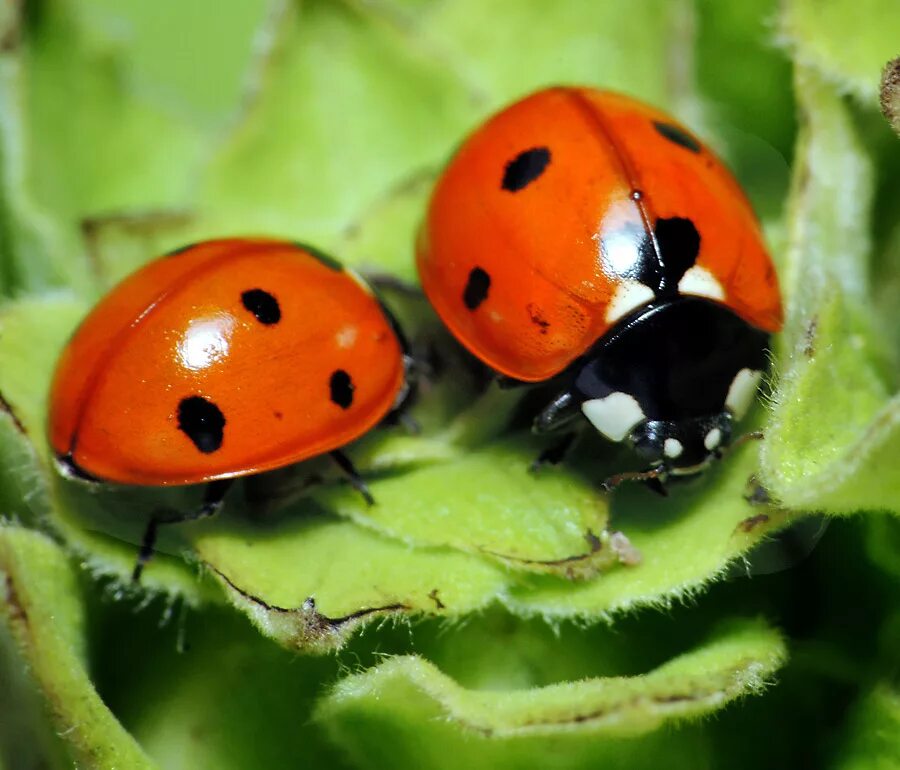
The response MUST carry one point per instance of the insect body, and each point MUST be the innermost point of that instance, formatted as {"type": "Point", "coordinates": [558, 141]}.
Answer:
{"type": "Point", "coordinates": [223, 359]}
{"type": "Point", "coordinates": [582, 235]}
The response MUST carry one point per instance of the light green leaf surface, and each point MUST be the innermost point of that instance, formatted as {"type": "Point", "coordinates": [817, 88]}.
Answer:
{"type": "Point", "coordinates": [311, 580]}
{"type": "Point", "coordinates": [42, 609]}
{"type": "Point", "coordinates": [847, 42]}
{"type": "Point", "coordinates": [834, 435]}
{"type": "Point", "coordinates": [406, 707]}
{"type": "Point", "coordinates": [870, 740]}
{"type": "Point", "coordinates": [500, 59]}
{"type": "Point", "coordinates": [488, 503]}
{"type": "Point", "coordinates": [685, 542]}
{"type": "Point", "coordinates": [84, 93]}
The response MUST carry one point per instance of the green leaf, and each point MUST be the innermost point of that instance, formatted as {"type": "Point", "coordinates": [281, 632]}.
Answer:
{"type": "Point", "coordinates": [870, 739]}
{"type": "Point", "coordinates": [204, 690]}
{"type": "Point", "coordinates": [499, 52]}
{"type": "Point", "coordinates": [84, 92]}
{"type": "Point", "coordinates": [834, 432]}
{"type": "Point", "coordinates": [685, 542]}
{"type": "Point", "coordinates": [44, 615]}
{"type": "Point", "coordinates": [408, 707]}
{"type": "Point", "coordinates": [488, 503]}
{"type": "Point", "coordinates": [846, 42]}
{"type": "Point", "coordinates": [309, 580]}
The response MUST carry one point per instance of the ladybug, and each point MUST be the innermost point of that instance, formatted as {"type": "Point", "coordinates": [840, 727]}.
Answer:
{"type": "Point", "coordinates": [223, 359]}
{"type": "Point", "coordinates": [582, 237]}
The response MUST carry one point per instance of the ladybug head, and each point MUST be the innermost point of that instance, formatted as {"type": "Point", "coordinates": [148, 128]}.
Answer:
{"type": "Point", "coordinates": [682, 447]}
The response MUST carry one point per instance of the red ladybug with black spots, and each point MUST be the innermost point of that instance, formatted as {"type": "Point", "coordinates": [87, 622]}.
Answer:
{"type": "Point", "coordinates": [584, 237]}
{"type": "Point", "coordinates": [222, 359]}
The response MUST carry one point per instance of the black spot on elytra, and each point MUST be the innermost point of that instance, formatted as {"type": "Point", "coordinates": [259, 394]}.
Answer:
{"type": "Point", "coordinates": [202, 422]}
{"type": "Point", "coordinates": [527, 166]}
{"type": "Point", "coordinates": [326, 259]}
{"type": "Point", "coordinates": [677, 135]}
{"type": "Point", "coordinates": [263, 305]}
{"type": "Point", "coordinates": [679, 245]}
{"type": "Point", "coordinates": [660, 265]}
{"type": "Point", "coordinates": [477, 288]}
{"type": "Point", "coordinates": [341, 387]}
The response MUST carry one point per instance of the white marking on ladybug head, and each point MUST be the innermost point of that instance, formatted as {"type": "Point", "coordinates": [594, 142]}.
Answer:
{"type": "Point", "coordinates": [712, 439]}
{"type": "Point", "coordinates": [615, 415]}
{"type": "Point", "coordinates": [629, 295]}
{"type": "Point", "coordinates": [702, 283]}
{"type": "Point", "coordinates": [742, 390]}
{"type": "Point", "coordinates": [672, 448]}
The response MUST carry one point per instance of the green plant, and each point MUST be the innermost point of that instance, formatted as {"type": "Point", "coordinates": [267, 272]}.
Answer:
{"type": "Point", "coordinates": [472, 619]}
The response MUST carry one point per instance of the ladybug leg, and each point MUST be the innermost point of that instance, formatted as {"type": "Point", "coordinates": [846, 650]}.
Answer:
{"type": "Point", "coordinates": [555, 453]}
{"type": "Point", "coordinates": [560, 413]}
{"type": "Point", "coordinates": [356, 481]}
{"type": "Point", "coordinates": [213, 496]}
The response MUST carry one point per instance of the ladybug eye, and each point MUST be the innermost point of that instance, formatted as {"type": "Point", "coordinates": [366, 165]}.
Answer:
{"type": "Point", "coordinates": [527, 166]}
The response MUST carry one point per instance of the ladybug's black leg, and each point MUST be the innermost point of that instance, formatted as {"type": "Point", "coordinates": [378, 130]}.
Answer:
{"type": "Point", "coordinates": [555, 453]}
{"type": "Point", "coordinates": [560, 413]}
{"type": "Point", "coordinates": [213, 496]}
{"type": "Point", "coordinates": [356, 481]}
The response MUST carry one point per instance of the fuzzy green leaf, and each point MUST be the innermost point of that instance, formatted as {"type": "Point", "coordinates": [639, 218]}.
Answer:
{"type": "Point", "coordinates": [406, 706]}
{"type": "Point", "coordinates": [685, 542]}
{"type": "Point", "coordinates": [846, 42]}
{"type": "Point", "coordinates": [309, 581]}
{"type": "Point", "coordinates": [486, 502]}
{"type": "Point", "coordinates": [44, 615]}
{"type": "Point", "coordinates": [834, 434]}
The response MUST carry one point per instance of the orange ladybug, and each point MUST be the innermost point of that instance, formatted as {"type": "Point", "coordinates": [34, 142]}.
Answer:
{"type": "Point", "coordinates": [585, 236]}
{"type": "Point", "coordinates": [222, 359]}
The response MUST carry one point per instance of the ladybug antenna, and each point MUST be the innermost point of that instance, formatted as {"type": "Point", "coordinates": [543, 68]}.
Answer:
{"type": "Point", "coordinates": [654, 479]}
{"type": "Point", "coordinates": [753, 435]}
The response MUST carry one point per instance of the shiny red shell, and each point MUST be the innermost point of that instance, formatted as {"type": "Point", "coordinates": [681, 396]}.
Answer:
{"type": "Point", "coordinates": [534, 259]}
{"type": "Point", "coordinates": [294, 353]}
